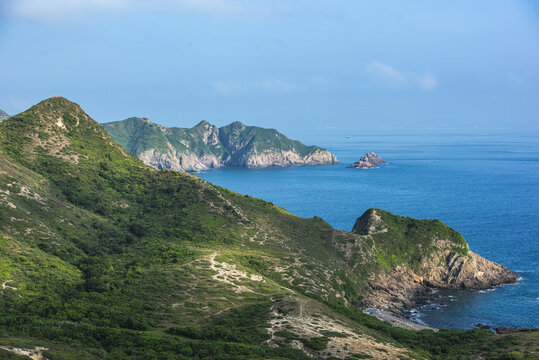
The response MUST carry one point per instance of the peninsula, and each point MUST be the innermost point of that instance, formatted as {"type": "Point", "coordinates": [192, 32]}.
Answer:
{"type": "Point", "coordinates": [207, 146]}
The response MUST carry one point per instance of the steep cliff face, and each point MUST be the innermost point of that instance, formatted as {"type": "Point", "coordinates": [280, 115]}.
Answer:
{"type": "Point", "coordinates": [418, 254]}
{"type": "Point", "coordinates": [206, 146]}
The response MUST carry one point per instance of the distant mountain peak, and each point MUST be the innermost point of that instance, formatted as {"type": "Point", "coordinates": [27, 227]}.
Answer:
{"type": "Point", "coordinates": [237, 125]}
{"type": "Point", "coordinates": [203, 123]}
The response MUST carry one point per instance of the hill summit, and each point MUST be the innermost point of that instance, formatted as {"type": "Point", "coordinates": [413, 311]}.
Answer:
{"type": "Point", "coordinates": [207, 146]}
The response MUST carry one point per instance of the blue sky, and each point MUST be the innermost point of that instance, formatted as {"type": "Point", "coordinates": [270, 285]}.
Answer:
{"type": "Point", "coordinates": [295, 65]}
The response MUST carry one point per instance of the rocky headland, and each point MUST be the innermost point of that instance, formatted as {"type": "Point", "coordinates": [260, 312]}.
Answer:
{"type": "Point", "coordinates": [432, 256]}
{"type": "Point", "coordinates": [207, 146]}
{"type": "Point", "coordinates": [368, 161]}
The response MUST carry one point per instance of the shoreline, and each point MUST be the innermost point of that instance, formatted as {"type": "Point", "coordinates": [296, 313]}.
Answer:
{"type": "Point", "coordinates": [397, 320]}
{"type": "Point", "coordinates": [402, 316]}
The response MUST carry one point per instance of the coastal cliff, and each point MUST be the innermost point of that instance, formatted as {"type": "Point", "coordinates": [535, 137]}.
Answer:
{"type": "Point", "coordinates": [207, 146]}
{"type": "Point", "coordinates": [421, 254]}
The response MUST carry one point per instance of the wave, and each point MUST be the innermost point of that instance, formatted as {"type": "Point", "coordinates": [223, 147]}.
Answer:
{"type": "Point", "coordinates": [486, 291]}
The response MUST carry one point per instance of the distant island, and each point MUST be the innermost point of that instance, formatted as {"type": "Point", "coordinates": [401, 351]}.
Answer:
{"type": "Point", "coordinates": [368, 161]}
{"type": "Point", "coordinates": [3, 115]}
{"type": "Point", "coordinates": [206, 146]}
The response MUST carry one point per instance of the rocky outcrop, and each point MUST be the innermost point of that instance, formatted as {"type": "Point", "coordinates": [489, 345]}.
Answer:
{"type": "Point", "coordinates": [287, 158]}
{"type": "Point", "coordinates": [450, 269]}
{"type": "Point", "coordinates": [3, 115]}
{"type": "Point", "coordinates": [433, 256]}
{"type": "Point", "coordinates": [207, 146]}
{"type": "Point", "coordinates": [179, 161]}
{"type": "Point", "coordinates": [362, 165]}
{"type": "Point", "coordinates": [368, 161]}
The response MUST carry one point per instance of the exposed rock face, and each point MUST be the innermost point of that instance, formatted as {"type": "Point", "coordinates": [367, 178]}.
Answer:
{"type": "Point", "coordinates": [179, 161]}
{"type": "Point", "coordinates": [450, 269]}
{"type": "Point", "coordinates": [368, 161]}
{"type": "Point", "coordinates": [3, 115]}
{"type": "Point", "coordinates": [207, 146]}
{"type": "Point", "coordinates": [444, 259]}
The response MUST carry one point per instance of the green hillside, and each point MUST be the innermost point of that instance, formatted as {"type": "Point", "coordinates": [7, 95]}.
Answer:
{"type": "Point", "coordinates": [103, 257]}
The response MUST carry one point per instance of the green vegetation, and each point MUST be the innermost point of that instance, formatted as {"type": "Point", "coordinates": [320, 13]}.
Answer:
{"type": "Point", "coordinates": [318, 343]}
{"type": "Point", "coordinates": [103, 257]}
{"type": "Point", "coordinates": [407, 240]}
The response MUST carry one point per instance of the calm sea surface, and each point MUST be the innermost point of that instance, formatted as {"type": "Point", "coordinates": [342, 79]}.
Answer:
{"type": "Point", "coordinates": [486, 187]}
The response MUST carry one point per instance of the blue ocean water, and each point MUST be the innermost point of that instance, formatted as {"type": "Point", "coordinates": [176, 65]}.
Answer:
{"type": "Point", "coordinates": [485, 187]}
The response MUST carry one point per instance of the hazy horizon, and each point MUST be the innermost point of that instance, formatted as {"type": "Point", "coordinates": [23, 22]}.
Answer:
{"type": "Point", "coordinates": [300, 67]}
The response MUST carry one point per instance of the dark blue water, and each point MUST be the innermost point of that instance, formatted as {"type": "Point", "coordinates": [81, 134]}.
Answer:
{"type": "Point", "coordinates": [486, 187]}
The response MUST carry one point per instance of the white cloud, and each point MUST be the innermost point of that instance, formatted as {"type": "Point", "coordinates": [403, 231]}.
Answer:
{"type": "Point", "coordinates": [244, 87]}
{"type": "Point", "coordinates": [53, 10]}
{"type": "Point", "coordinates": [69, 10]}
{"type": "Point", "coordinates": [60, 10]}
{"type": "Point", "coordinates": [225, 7]}
{"type": "Point", "coordinates": [388, 76]}
{"type": "Point", "coordinates": [427, 81]}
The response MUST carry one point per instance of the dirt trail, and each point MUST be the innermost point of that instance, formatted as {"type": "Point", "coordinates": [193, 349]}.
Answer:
{"type": "Point", "coordinates": [4, 286]}
{"type": "Point", "coordinates": [34, 354]}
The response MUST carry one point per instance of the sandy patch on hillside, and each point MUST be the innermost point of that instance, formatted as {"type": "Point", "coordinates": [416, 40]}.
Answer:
{"type": "Point", "coordinates": [34, 354]}
{"type": "Point", "coordinates": [307, 319]}
{"type": "Point", "coordinates": [229, 274]}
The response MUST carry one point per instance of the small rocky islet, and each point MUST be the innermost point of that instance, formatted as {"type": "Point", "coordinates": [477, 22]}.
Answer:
{"type": "Point", "coordinates": [368, 161]}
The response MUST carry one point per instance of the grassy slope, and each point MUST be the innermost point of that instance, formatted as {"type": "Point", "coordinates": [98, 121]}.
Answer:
{"type": "Point", "coordinates": [110, 258]}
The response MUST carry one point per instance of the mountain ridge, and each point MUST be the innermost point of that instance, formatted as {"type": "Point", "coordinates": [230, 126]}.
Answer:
{"type": "Point", "coordinates": [207, 146]}
{"type": "Point", "coordinates": [105, 257]}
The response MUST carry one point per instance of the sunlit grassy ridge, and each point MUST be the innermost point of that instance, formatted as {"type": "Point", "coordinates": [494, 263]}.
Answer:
{"type": "Point", "coordinates": [105, 257]}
